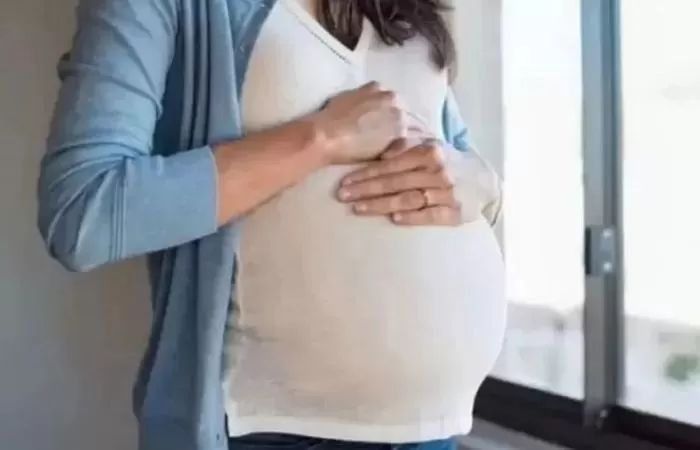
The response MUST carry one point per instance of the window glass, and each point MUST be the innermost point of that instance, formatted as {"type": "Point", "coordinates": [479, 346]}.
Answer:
{"type": "Point", "coordinates": [660, 62]}
{"type": "Point", "coordinates": [543, 227]}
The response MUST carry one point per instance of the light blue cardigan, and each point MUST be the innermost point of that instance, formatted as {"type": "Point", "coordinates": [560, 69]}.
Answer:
{"type": "Point", "coordinates": [146, 88]}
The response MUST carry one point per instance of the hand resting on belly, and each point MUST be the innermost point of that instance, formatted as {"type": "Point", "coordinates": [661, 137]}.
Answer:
{"type": "Point", "coordinates": [424, 184]}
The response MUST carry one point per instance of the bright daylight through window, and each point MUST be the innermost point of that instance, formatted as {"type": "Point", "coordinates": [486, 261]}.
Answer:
{"type": "Point", "coordinates": [543, 233]}
{"type": "Point", "coordinates": [661, 147]}
{"type": "Point", "coordinates": [544, 212]}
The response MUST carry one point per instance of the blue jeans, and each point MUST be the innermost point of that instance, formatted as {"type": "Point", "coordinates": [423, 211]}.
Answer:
{"type": "Point", "coordinates": [272, 441]}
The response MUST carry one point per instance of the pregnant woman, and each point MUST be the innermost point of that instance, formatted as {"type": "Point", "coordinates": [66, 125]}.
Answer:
{"type": "Point", "coordinates": [324, 273]}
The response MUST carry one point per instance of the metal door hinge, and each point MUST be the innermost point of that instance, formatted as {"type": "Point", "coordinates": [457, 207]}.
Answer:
{"type": "Point", "coordinates": [600, 249]}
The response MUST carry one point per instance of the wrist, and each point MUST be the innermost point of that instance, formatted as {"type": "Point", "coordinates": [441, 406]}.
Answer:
{"type": "Point", "coordinates": [302, 140]}
{"type": "Point", "coordinates": [323, 139]}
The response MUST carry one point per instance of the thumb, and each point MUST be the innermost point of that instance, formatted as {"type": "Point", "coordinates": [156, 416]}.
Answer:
{"type": "Point", "coordinates": [396, 148]}
{"type": "Point", "coordinates": [415, 138]}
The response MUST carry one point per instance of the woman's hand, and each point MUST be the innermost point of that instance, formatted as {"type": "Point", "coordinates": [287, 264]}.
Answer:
{"type": "Point", "coordinates": [411, 185]}
{"type": "Point", "coordinates": [357, 125]}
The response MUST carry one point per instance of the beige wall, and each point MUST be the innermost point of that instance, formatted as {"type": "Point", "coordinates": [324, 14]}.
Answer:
{"type": "Point", "coordinates": [69, 344]}
{"type": "Point", "coordinates": [476, 26]}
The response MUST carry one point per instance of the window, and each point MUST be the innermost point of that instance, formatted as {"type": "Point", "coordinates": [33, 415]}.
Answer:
{"type": "Point", "coordinates": [591, 109]}
{"type": "Point", "coordinates": [660, 65]}
{"type": "Point", "coordinates": [543, 227]}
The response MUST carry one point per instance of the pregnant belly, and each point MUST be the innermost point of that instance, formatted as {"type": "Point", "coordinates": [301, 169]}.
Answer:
{"type": "Point", "coordinates": [337, 305]}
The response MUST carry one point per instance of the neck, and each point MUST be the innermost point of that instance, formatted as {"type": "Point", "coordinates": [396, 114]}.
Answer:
{"type": "Point", "coordinates": [310, 5]}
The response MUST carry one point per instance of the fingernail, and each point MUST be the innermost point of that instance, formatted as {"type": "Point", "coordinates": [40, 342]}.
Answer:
{"type": "Point", "coordinates": [398, 217]}
{"type": "Point", "coordinates": [360, 207]}
{"type": "Point", "coordinates": [344, 194]}
{"type": "Point", "coordinates": [346, 182]}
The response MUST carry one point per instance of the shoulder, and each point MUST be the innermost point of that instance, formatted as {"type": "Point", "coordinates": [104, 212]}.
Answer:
{"type": "Point", "coordinates": [243, 18]}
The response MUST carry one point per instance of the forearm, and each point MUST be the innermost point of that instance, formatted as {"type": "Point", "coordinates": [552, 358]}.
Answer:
{"type": "Point", "coordinates": [254, 169]}
{"type": "Point", "coordinates": [100, 203]}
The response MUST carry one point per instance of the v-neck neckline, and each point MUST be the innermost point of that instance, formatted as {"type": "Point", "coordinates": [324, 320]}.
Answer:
{"type": "Point", "coordinates": [355, 55]}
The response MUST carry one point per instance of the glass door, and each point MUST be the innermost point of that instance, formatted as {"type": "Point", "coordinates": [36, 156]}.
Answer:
{"type": "Point", "coordinates": [660, 66]}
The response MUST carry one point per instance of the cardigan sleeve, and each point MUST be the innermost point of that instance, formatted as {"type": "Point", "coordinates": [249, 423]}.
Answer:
{"type": "Point", "coordinates": [103, 195]}
{"type": "Point", "coordinates": [454, 128]}
{"type": "Point", "coordinates": [475, 173]}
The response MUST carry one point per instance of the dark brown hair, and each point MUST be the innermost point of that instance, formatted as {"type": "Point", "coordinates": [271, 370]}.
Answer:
{"type": "Point", "coordinates": [396, 21]}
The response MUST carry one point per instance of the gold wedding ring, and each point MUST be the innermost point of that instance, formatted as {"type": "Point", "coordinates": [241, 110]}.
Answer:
{"type": "Point", "coordinates": [426, 198]}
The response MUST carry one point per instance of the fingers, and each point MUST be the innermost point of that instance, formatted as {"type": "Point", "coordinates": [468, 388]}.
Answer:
{"type": "Point", "coordinates": [396, 148]}
{"type": "Point", "coordinates": [417, 122]}
{"type": "Point", "coordinates": [371, 86]}
{"type": "Point", "coordinates": [435, 215]}
{"type": "Point", "coordinates": [407, 162]}
{"type": "Point", "coordinates": [399, 158]}
{"type": "Point", "coordinates": [415, 135]}
{"type": "Point", "coordinates": [393, 184]}
{"type": "Point", "coordinates": [429, 149]}
{"type": "Point", "coordinates": [405, 201]}
{"type": "Point", "coordinates": [415, 138]}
